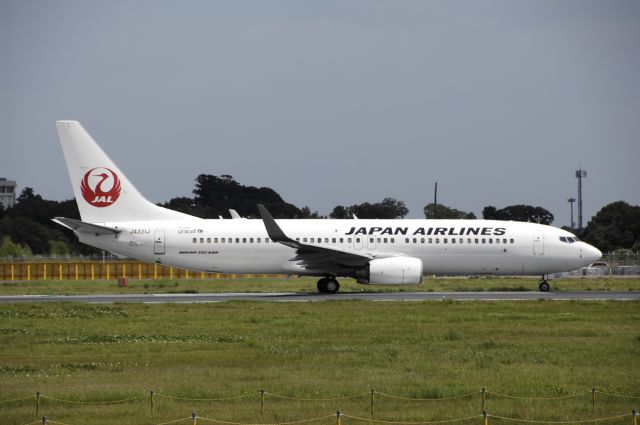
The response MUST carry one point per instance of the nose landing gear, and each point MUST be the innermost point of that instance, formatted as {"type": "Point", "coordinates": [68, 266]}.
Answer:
{"type": "Point", "coordinates": [544, 286]}
{"type": "Point", "coordinates": [328, 285]}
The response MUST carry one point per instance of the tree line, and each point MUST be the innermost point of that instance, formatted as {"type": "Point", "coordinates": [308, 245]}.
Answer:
{"type": "Point", "coordinates": [26, 228]}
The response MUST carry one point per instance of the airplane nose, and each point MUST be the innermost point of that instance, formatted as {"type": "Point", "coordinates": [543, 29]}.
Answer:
{"type": "Point", "coordinates": [591, 253]}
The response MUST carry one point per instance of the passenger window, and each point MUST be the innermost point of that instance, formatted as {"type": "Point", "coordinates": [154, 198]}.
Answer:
{"type": "Point", "coordinates": [444, 240]}
{"type": "Point", "coordinates": [215, 240]}
{"type": "Point", "coordinates": [385, 240]}
{"type": "Point", "coordinates": [222, 240]}
{"type": "Point", "coordinates": [266, 240]}
{"type": "Point", "coordinates": [453, 240]}
{"type": "Point", "coordinates": [378, 240]}
{"type": "Point", "coordinates": [349, 240]}
{"type": "Point", "coordinates": [476, 240]}
{"type": "Point", "coordinates": [370, 240]}
{"type": "Point", "coordinates": [406, 240]}
{"type": "Point", "coordinates": [237, 240]}
{"type": "Point", "coordinates": [304, 239]}
{"type": "Point", "coordinates": [326, 240]}
{"type": "Point", "coordinates": [461, 240]}
{"type": "Point", "coordinates": [421, 240]}
{"type": "Point", "coordinates": [333, 240]}
{"type": "Point", "coordinates": [341, 240]}
{"type": "Point", "coordinates": [415, 240]}
{"type": "Point", "coordinates": [358, 240]}
{"type": "Point", "coordinates": [504, 241]}
{"type": "Point", "coordinates": [497, 240]}
{"type": "Point", "coordinates": [208, 240]}
{"type": "Point", "coordinates": [201, 240]}
{"type": "Point", "coordinates": [468, 240]}
{"type": "Point", "coordinates": [437, 240]}
{"type": "Point", "coordinates": [258, 240]}
{"type": "Point", "coordinates": [244, 240]}
{"type": "Point", "coordinates": [490, 240]}
{"type": "Point", "coordinates": [393, 240]}
{"type": "Point", "coordinates": [430, 240]}
{"type": "Point", "coordinates": [484, 240]}
{"type": "Point", "coordinates": [195, 240]}
{"type": "Point", "coordinates": [311, 240]}
{"type": "Point", "coordinates": [250, 240]}
{"type": "Point", "coordinates": [513, 241]}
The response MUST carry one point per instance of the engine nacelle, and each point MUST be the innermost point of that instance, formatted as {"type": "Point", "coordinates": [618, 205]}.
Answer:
{"type": "Point", "coordinates": [392, 271]}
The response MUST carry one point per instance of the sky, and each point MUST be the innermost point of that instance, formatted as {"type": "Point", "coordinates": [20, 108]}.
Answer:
{"type": "Point", "coordinates": [332, 102]}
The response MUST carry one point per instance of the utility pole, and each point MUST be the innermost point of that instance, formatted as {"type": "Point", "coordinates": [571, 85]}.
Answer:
{"type": "Point", "coordinates": [571, 201]}
{"type": "Point", "coordinates": [580, 174]}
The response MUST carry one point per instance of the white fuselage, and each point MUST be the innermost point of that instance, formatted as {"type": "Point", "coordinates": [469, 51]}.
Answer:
{"type": "Point", "coordinates": [446, 247]}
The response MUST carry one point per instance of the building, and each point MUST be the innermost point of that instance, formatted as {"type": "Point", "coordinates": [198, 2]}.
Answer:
{"type": "Point", "coordinates": [7, 193]}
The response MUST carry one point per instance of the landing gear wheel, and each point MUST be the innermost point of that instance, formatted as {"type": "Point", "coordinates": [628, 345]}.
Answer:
{"type": "Point", "coordinates": [544, 286]}
{"type": "Point", "coordinates": [328, 285]}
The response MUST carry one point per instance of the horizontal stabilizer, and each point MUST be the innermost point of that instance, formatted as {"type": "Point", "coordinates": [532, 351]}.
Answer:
{"type": "Point", "coordinates": [82, 227]}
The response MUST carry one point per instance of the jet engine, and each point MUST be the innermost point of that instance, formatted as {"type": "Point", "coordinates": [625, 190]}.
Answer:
{"type": "Point", "coordinates": [391, 271]}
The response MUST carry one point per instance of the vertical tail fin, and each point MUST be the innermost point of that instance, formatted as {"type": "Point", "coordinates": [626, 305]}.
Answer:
{"type": "Point", "coordinates": [102, 191]}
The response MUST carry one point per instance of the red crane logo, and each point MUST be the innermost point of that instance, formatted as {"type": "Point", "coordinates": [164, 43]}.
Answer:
{"type": "Point", "coordinates": [100, 187]}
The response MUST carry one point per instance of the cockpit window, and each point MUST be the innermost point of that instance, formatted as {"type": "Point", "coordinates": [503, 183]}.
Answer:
{"type": "Point", "coordinates": [563, 239]}
{"type": "Point", "coordinates": [567, 239]}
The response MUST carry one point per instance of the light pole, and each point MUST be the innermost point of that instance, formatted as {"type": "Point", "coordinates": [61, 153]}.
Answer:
{"type": "Point", "coordinates": [580, 174]}
{"type": "Point", "coordinates": [571, 201]}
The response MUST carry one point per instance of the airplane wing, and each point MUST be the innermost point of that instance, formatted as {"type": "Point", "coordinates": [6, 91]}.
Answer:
{"type": "Point", "coordinates": [82, 227]}
{"type": "Point", "coordinates": [310, 255]}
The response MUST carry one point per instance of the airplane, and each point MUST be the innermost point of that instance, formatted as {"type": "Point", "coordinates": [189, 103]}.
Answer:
{"type": "Point", "coordinates": [117, 218]}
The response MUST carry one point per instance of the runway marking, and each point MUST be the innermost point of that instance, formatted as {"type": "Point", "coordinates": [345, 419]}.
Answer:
{"type": "Point", "coordinates": [310, 297]}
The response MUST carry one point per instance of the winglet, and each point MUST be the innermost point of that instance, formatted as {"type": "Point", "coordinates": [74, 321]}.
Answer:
{"type": "Point", "coordinates": [273, 230]}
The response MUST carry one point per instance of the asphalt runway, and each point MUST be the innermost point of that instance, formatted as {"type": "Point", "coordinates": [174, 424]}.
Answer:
{"type": "Point", "coordinates": [313, 296]}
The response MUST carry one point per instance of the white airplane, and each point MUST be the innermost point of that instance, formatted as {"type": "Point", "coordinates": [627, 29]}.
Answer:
{"type": "Point", "coordinates": [117, 218]}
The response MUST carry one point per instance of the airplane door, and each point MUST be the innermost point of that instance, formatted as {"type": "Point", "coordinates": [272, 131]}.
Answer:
{"type": "Point", "coordinates": [158, 242]}
{"type": "Point", "coordinates": [357, 242]}
{"type": "Point", "coordinates": [371, 242]}
{"type": "Point", "coordinates": [538, 244]}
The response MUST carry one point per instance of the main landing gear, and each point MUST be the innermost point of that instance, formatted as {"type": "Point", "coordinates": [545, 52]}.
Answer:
{"type": "Point", "coordinates": [328, 285]}
{"type": "Point", "coordinates": [544, 286]}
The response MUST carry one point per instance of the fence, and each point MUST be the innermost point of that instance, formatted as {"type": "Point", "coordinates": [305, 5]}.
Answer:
{"type": "Point", "coordinates": [82, 269]}
{"type": "Point", "coordinates": [152, 398]}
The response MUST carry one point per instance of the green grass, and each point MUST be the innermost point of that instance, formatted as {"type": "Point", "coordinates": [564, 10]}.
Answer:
{"type": "Point", "coordinates": [98, 353]}
{"type": "Point", "coordinates": [294, 284]}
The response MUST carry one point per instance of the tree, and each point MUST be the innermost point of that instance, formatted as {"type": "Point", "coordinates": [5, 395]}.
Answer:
{"type": "Point", "coordinates": [215, 195]}
{"type": "Point", "coordinates": [306, 213]}
{"type": "Point", "coordinates": [441, 211]}
{"type": "Point", "coordinates": [388, 208]}
{"type": "Point", "coordinates": [518, 213]}
{"type": "Point", "coordinates": [615, 226]}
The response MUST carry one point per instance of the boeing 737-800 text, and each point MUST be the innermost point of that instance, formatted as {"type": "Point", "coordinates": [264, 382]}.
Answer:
{"type": "Point", "coordinates": [117, 218]}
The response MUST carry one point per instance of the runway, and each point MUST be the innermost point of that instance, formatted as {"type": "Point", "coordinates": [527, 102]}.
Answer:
{"type": "Point", "coordinates": [312, 296]}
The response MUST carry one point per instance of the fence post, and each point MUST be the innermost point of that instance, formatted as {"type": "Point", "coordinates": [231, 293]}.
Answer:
{"type": "Point", "coordinates": [262, 402]}
{"type": "Point", "coordinates": [38, 403]}
{"type": "Point", "coordinates": [483, 398]}
{"type": "Point", "coordinates": [634, 417]}
{"type": "Point", "coordinates": [44, 272]}
{"type": "Point", "coordinates": [194, 418]}
{"type": "Point", "coordinates": [372, 401]}
{"type": "Point", "coordinates": [151, 401]}
{"type": "Point", "coordinates": [337, 417]}
{"type": "Point", "coordinates": [593, 397]}
{"type": "Point", "coordinates": [485, 418]}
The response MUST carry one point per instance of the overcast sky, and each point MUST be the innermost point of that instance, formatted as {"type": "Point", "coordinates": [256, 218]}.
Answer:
{"type": "Point", "coordinates": [332, 102]}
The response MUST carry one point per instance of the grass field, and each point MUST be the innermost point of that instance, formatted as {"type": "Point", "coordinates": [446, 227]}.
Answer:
{"type": "Point", "coordinates": [99, 353]}
{"type": "Point", "coordinates": [294, 284]}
